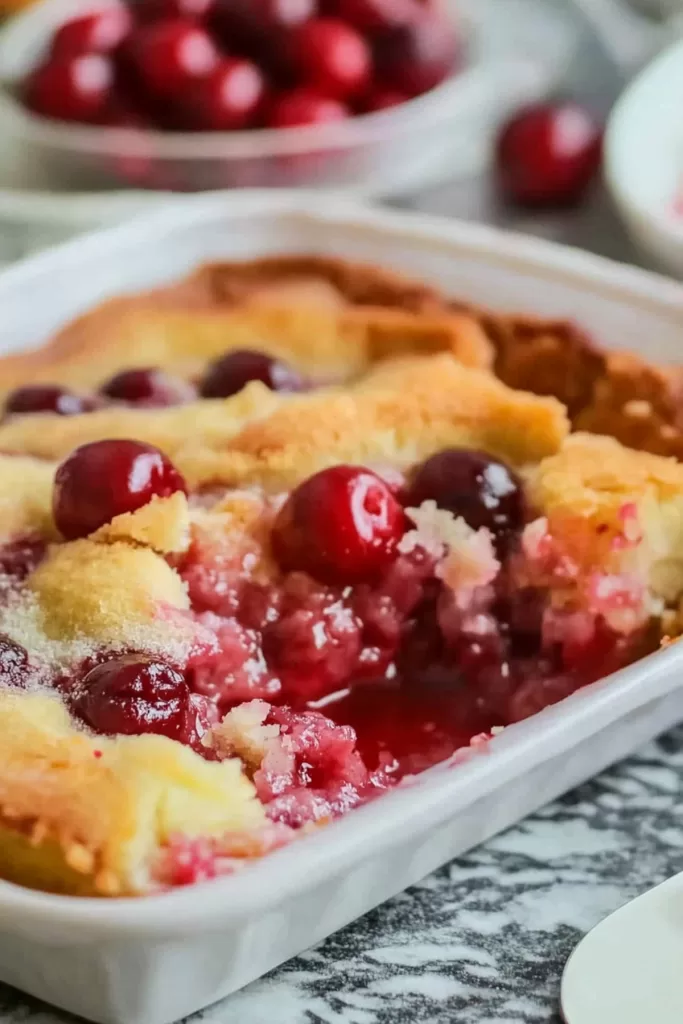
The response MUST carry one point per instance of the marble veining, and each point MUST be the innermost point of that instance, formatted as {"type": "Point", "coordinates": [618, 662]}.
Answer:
{"type": "Point", "coordinates": [484, 940]}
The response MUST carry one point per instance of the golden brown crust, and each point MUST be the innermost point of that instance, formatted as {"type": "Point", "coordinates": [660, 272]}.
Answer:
{"type": "Point", "coordinates": [404, 411]}
{"type": "Point", "coordinates": [326, 342]}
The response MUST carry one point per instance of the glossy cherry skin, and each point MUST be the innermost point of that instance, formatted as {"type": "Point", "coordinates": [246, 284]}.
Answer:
{"type": "Point", "coordinates": [171, 56]}
{"type": "Point", "coordinates": [104, 479]}
{"type": "Point", "coordinates": [99, 32]}
{"type": "Point", "coordinates": [235, 370]}
{"type": "Point", "coordinates": [548, 154]}
{"type": "Point", "coordinates": [227, 99]}
{"type": "Point", "coordinates": [13, 662]}
{"type": "Point", "coordinates": [331, 57]}
{"type": "Point", "coordinates": [48, 398]}
{"type": "Point", "coordinates": [374, 15]}
{"type": "Point", "coordinates": [342, 526]}
{"type": "Point", "coordinates": [417, 56]}
{"type": "Point", "coordinates": [148, 387]}
{"type": "Point", "coordinates": [384, 99]}
{"type": "Point", "coordinates": [474, 485]}
{"type": "Point", "coordinates": [133, 695]}
{"type": "Point", "coordinates": [157, 10]}
{"type": "Point", "coordinates": [300, 107]}
{"type": "Point", "coordinates": [71, 88]}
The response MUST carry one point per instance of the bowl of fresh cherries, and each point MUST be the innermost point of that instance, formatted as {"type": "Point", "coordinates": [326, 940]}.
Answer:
{"type": "Point", "coordinates": [188, 95]}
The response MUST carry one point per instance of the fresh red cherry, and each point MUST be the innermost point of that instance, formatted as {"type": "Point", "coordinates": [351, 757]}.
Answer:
{"type": "Point", "coordinates": [341, 525]}
{"type": "Point", "coordinates": [98, 32]}
{"type": "Point", "coordinates": [384, 99]}
{"type": "Point", "coordinates": [156, 10]}
{"type": "Point", "coordinates": [233, 371]}
{"type": "Point", "coordinates": [104, 479]}
{"type": "Point", "coordinates": [300, 107]}
{"type": "Point", "coordinates": [375, 15]}
{"type": "Point", "coordinates": [148, 387]}
{"type": "Point", "coordinates": [330, 56]}
{"type": "Point", "coordinates": [228, 98]}
{"type": "Point", "coordinates": [133, 695]}
{"type": "Point", "coordinates": [71, 88]}
{"type": "Point", "coordinates": [417, 56]}
{"type": "Point", "coordinates": [13, 662]}
{"type": "Point", "coordinates": [474, 485]}
{"type": "Point", "coordinates": [48, 398]}
{"type": "Point", "coordinates": [172, 55]}
{"type": "Point", "coordinates": [547, 155]}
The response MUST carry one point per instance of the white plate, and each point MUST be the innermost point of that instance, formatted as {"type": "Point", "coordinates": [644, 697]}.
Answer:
{"type": "Point", "coordinates": [153, 960]}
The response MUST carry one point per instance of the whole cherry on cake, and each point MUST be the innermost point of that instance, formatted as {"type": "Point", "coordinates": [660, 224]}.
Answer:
{"type": "Point", "coordinates": [148, 386]}
{"type": "Point", "coordinates": [236, 369]}
{"type": "Point", "coordinates": [48, 398]}
{"type": "Point", "coordinates": [474, 485]}
{"type": "Point", "coordinates": [342, 525]}
{"type": "Point", "coordinates": [104, 479]}
{"type": "Point", "coordinates": [132, 695]}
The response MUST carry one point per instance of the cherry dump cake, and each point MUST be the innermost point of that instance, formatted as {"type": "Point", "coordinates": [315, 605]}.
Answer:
{"type": "Point", "coordinates": [247, 587]}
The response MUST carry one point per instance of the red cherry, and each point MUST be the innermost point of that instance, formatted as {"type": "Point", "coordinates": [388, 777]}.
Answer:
{"type": "Point", "coordinates": [157, 10]}
{"type": "Point", "coordinates": [233, 371]}
{"type": "Point", "coordinates": [99, 32]}
{"type": "Point", "coordinates": [417, 56]}
{"type": "Point", "coordinates": [104, 479]}
{"type": "Point", "coordinates": [340, 526]}
{"type": "Point", "coordinates": [48, 398]}
{"type": "Point", "coordinates": [149, 387]}
{"type": "Point", "coordinates": [384, 99]}
{"type": "Point", "coordinates": [258, 17]}
{"type": "Point", "coordinates": [228, 98]}
{"type": "Point", "coordinates": [374, 15]}
{"type": "Point", "coordinates": [133, 695]}
{"type": "Point", "coordinates": [13, 662]}
{"type": "Point", "coordinates": [547, 154]}
{"type": "Point", "coordinates": [172, 55]}
{"type": "Point", "coordinates": [71, 88]}
{"type": "Point", "coordinates": [305, 106]}
{"type": "Point", "coordinates": [474, 485]}
{"type": "Point", "coordinates": [331, 56]}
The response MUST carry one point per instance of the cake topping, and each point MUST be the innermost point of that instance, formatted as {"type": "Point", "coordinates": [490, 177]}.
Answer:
{"type": "Point", "coordinates": [104, 479]}
{"type": "Point", "coordinates": [48, 398]}
{"type": "Point", "coordinates": [233, 371]}
{"type": "Point", "coordinates": [134, 694]}
{"type": "Point", "coordinates": [472, 484]}
{"type": "Point", "coordinates": [342, 525]}
{"type": "Point", "coordinates": [148, 387]}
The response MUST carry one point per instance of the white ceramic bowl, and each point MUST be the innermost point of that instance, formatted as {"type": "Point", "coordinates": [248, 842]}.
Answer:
{"type": "Point", "coordinates": [644, 160]}
{"type": "Point", "coordinates": [385, 151]}
{"type": "Point", "coordinates": [153, 960]}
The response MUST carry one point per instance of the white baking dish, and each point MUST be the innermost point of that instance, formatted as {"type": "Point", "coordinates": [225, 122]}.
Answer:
{"type": "Point", "coordinates": [153, 960]}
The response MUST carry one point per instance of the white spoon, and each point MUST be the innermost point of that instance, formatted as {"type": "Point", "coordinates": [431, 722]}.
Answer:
{"type": "Point", "coordinates": [629, 969]}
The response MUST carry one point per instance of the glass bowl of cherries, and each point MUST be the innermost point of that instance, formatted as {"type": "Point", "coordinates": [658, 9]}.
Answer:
{"type": "Point", "coordinates": [189, 95]}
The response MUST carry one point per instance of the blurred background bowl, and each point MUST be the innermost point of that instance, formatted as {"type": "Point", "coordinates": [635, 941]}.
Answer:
{"type": "Point", "coordinates": [643, 160]}
{"type": "Point", "coordinates": [442, 131]}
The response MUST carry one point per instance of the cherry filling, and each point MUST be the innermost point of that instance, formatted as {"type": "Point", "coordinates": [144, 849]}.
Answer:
{"type": "Point", "coordinates": [48, 398]}
{"type": "Point", "coordinates": [391, 625]}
